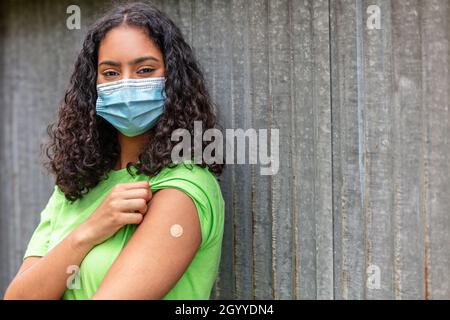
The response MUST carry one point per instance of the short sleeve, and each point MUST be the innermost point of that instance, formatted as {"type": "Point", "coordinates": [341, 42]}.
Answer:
{"type": "Point", "coordinates": [38, 244]}
{"type": "Point", "coordinates": [202, 187]}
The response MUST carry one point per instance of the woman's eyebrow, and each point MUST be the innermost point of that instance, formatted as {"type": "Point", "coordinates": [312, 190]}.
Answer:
{"type": "Point", "coordinates": [132, 62]}
{"type": "Point", "coordinates": [110, 63]}
{"type": "Point", "coordinates": [142, 59]}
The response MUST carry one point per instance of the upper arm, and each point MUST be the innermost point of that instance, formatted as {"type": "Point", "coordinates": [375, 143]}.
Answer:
{"type": "Point", "coordinates": [153, 260]}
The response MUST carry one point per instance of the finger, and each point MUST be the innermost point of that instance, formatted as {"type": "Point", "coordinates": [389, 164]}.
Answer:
{"type": "Point", "coordinates": [140, 193]}
{"type": "Point", "coordinates": [130, 205]}
{"type": "Point", "coordinates": [131, 218]}
{"type": "Point", "coordinates": [133, 185]}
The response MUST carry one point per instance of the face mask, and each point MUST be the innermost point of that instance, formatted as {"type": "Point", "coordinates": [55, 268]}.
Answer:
{"type": "Point", "coordinates": [132, 106]}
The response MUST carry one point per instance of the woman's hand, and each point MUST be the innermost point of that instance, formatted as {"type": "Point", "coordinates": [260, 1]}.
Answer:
{"type": "Point", "coordinates": [116, 210]}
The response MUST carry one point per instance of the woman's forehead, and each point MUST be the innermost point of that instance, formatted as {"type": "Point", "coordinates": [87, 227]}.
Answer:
{"type": "Point", "coordinates": [127, 43]}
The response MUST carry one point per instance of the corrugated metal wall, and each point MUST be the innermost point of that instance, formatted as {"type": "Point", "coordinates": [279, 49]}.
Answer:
{"type": "Point", "coordinates": [363, 115]}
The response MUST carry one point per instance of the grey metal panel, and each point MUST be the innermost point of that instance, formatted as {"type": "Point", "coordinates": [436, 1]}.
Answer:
{"type": "Point", "coordinates": [390, 86]}
{"type": "Point", "coordinates": [435, 147]}
{"type": "Point", "coordinates": [407, 169]}
{"type": "Point", "coordinates": [240, 102]}
{"type": "Point", "coordinates": [364, 125]}
{"type": "Point", "coordinates": [221, 86]}
{"type": "Point", "coordinates": [281, 188]}
{"type": "Point", "coordinates": [4, 274]}
{"type": "Point", "coordinates": [348, 168]}
{"type": "Point", "coordinates": [261, 107]}
{"type": "Point", "coordinates": [378, 186]}
{"type": "Point", "coordinates": [322, 178]}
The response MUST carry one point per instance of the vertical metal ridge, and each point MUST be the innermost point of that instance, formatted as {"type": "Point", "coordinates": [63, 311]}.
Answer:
{"type": "Point", "coordinates": [395, 214]}
{"type": "Point", "coordinates": [424, 170]}
{"type": "Point", "coordinates": [293, 187]}
{"type": "Point", "coordinates": [251, 168]}
{"type": "Point", "coordinates": [361, 127]}
{"type": "Point", "coordinates": [233, 182]}
{"type": "Point", "coordinates": [314, 148]}
{"type": "Point", "coordinates": [332, 140]}
{"type": "Point", "coordinates": [270, 113]}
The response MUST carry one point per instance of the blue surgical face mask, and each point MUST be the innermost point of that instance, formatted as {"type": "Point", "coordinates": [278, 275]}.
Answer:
{"type": "Point", "coordinates": [132, 106]}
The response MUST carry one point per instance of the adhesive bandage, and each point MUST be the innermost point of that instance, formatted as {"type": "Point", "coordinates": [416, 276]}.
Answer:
{"type": "Point", "coordinates": [176, 230]}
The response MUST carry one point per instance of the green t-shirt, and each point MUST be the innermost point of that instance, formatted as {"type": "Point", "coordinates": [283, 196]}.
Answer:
{"type": "Point", "coordinates": [60, 217]}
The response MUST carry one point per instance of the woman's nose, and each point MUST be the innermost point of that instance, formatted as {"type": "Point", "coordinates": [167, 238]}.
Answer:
{"type": "Point", "coordinates": [125, 75]}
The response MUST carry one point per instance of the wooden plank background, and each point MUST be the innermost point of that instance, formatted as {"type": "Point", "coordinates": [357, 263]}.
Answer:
{"type": "Point", "coordinates": [364, 124]}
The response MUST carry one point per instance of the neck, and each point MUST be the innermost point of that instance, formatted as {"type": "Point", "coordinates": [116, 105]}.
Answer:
{"type": "Point", "coordinates": [130, 148]}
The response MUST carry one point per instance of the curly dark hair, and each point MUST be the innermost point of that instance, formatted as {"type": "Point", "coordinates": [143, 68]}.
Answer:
{"type": "Point", "coordinates": [83, 147]}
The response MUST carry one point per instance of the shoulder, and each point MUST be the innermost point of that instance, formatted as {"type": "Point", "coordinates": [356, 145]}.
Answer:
{"type": "Point", "coordinates": [58, 194]}
{"type": "Point", "coordinates": [203, 188]}
{"type": "Point", "coordinates": [57, 197]}
{"type": "Point", "coordinates": [189, 175]}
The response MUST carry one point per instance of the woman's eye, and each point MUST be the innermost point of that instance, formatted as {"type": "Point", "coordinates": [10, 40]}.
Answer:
{"type": "Point", "coordinates": [110, 74]}
{"type": "Point", "coordinates": [145, 70]}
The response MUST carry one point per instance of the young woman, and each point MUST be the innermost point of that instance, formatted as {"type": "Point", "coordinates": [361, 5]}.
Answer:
{"type": "Point", "coordinates": [107, 232]}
